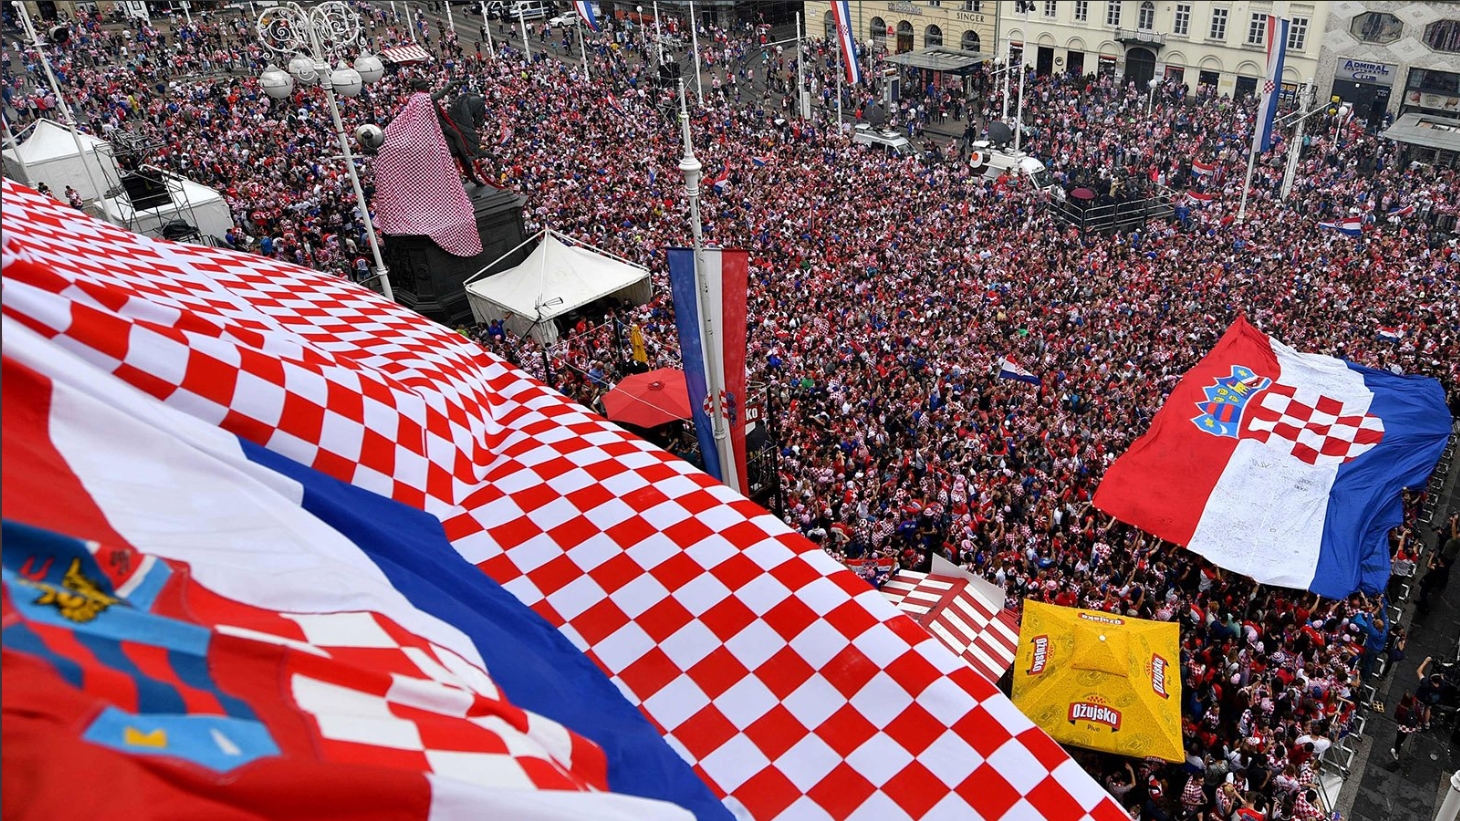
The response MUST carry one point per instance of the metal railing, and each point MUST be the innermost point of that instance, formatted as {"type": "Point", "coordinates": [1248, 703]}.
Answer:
{"type": "Point", "coordinates": [1110, 217]}
{"type": "Point", "coordinates": [1140, 36]}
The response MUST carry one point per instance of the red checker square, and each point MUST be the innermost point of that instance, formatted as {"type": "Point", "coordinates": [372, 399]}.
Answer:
{"type": "Point", "coordinates": [850, 619]}
{"type": "Point", "coordinates": [784, 672]}
{"type": "Point", "coordinates": [796, 575]}
{"type": "Point", "coordinates": [698, 501]}
{"type": "Point", "coordinates": [727, 618]}
{"type": "Point", "coordinates": [1298, 412]}
{"type": "Point", "coordinates": [913, 672]}
{"type": "Point", "coordinates": [546, 775]}
{"type": "Point", "coordinates": [1335, 447]}
{"type": "Point", "coordinates": [1368, 436]}
{"type": "Point", "coordinates": [908, 630]}
{"type": "Point", "coordinates": [553, 468]}
{"type": "Point", "coordinates": [688, 532]}
{"type": "Point", "coordinates": [676, 571]}
{"type": "Point", "coordinates": [603, 469]}
{"type": "Point", "coordinates": [916, 790]}
{"type": "Point", "coordinates": [1042, 747]}
{"type": "Point", "coordinates": [590, 497]}
{"type": "Point", "coordinates": [573, 532]}
{"type": "Point", "coordinates": [776, 732]}
{"type": "Point", "coordinates": [745, 534]}
{"type": "Point", "coordinates": [326, 462]}
{"type": "Point", "coordinates": [515, 532]}
{"type": "Point", "coordinates": [412, 497]}
{"type": "Point", "coordinates": [842, 791]}
{"type": "Point", "coordinates": [440, 732]}
{"type": "Point", "coordinates": [102, 331]}
{"type": "Point", "coordinates": [767, 794]}
{"type": "Point", "coordinates": [846, 730]}
{"type": "Point", "coordinates": [645, 498]}
{"type": "Point", "coordinates": [630, 531]}
{"type": "Point", "coordinates": [988, 793]}
{"type": "Point", "coordinates": [1305, 454]}
{"type": "Point", "coordinates": [650, 673]}
{"type": "Point", "coordinates": [982, 731]}
{"type": "Point", "coordinates": [657, 472]}
{"type": "Point", "coordinates": [1328, 405]}
{"type": "Point", "coordinates": [599, 621]}
{"type": "Point", "coordinates": [1054, 801]}
{"type": "Point", "coordinates": [737, 571]}
{"type": "Point", "coordinates": [262, 365]}
{"type": "Point", "coordinates": [534, 497]}
{"type": "Point", "coordinates": [790, 618]}
{"type": "Point", "coordinates": [619, 448]}
{"type": "Point", "coordinates": [915, 728]}
{"type": "Point", "coordinates": [616, 572]}
{"type": "Point", "coordinates": [558, 573]}
{"type": "Point", "coordinates": [718, 672]}
{"type": "Point", "coordinates": [849, 671]}
{"type": "Point", "coordinates": [146, 382]}
{"type": "Point", "coordinates": [378, 452]}
{"type": "Point", "coordinates": [210, 378]}
{"type": "Point", "coordinates": [301, 417]}
{"type": "Point", "coordinates": [246, 427]}
{"type": "Point", "coordinates": [1108, 810]}
{"type": "Point", "coordinates": [850, 583]}
{"type": "Point", "coordinates": [1287, 430]}
{"type": "Point", "coordinates": [1282, 390]}
{"type": "Point", "coordinates": [345, 401]}
{"type": "Point", "coordinates": [664, 619]}
{"type": "Point", "coordinates": [705, 732]}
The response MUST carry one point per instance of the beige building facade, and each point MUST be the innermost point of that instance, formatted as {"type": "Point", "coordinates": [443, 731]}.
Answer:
{"type": "Point", "coordinates": [899, 26]}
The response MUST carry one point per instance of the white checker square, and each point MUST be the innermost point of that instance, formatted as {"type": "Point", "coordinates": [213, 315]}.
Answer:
{"type": "Point", "coordinates": [350, 629]}
{"type": "Point", "coordinates": [879, 759]}
{"type": "Point", "coordinates": [306, 384]}
{"type": "Point", "coordinates": [822, 595]}
{"type": "Point", "coordinates": [676, 702]}
{"type": "Point", "coordinates": [1018, 766]}
{"type": "Point", "coordinates": [653, 551]}
{"type": "Point", "coordinates": [689, 644]}
{"type": "Point", "coordinates": [819, 643]}
{"type": "Point", "coordinates": [491, 770]}
{"type": "Point", "coordinates": [878, 643]}
{"type": "Point", "coordinates": [623, 647]}
{"type": "Point", "coordinates": [808, 761]}
{"type": "Point", "coordinates": [553, 737]}
{"type": "Point", "coordinates": [1078, 783]}
{"type": "Point", "coordinates": [593, 551]}
{"type": "Point", "coordinates": [769, 554]}
{"type": "Point", "coordinates": [950, 758]}
{"type": "Point", "coordinates": [746, 702]}
{"type": "Point", "coordinates": [344, 714]}
{"type": "Point", "coordinates": [755, 644]}
{"type": "Point", "coordinates": [340, 436]}
{"type": "Point", "coordinates": [160, 356]}
{"type": "Point", "coordinates": [666, 514]}
{"type": "Point", "coordinates": [258, 399]}
{"type": "Point", "coordinates": [1003, 711]}
{"type": "Point", "coordinates": [380, 418]}
{"type": "Point", "coordinates": [814, 701]}
{"type": "Point", "coordinates": [735, 762]}
{"type": "Point", "coordinates": [803, 808]}
{"type": "Point", "coordinates": [641, 593]}
{"type": "Point", "coordinates": [701, 593]}
{"type": "Point", "coordinates": [762, 593]}
{"type": "Point", "coordinates": [429, 695]}
{"type": "Point", "coordinates": [881, 699]}
{"type": "Point", "coordinates": [623, 483]}
{"type": "Point", "coordinates": [554, 513]}
{"type": "Point", "coordinates": [711, 551]}
{"type": "Point", "coordinates": [575, 597]}
{"type": "Point", "coordinates": [439, 450]}
{"type": "Point", "coordinates": [879, 805]}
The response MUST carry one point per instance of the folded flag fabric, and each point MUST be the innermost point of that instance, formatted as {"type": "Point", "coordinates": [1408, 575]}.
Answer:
{"type": "Point", "coordinates": [1199, 198]}
{"type": "Point", "coordinates": [1391, 333]}
{"type": "Point", "coordinates": [1406, 211]}
{"type": "Point", "coordinates": [846, 40]}
{"type": "Point", "coordinates": [585, 10]}
{"type": "Point", "coordinates": [1283, 466]}
{"type": "Point", "coordinates": [1348, 226]}
{"type": "Point", "coordinates": [785, 684]}
{"type": "Point", "coordinates": [1203, 169]}
{"type": "Point", "coordinates": [1009, 369]}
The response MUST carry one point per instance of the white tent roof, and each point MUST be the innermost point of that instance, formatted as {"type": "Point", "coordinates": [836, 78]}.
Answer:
{"type": "Point", "coordinates": [192, 202]}
{"type": "Point", "coordinates": [51, 140]}
{"type": "Point", "coordinates": [556, 278]}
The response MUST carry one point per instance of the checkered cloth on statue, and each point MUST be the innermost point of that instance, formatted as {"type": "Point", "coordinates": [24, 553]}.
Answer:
{"type": "Point", "coordinates": [418, 186]}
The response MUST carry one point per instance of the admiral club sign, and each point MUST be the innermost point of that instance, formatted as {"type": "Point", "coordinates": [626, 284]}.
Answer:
{"type": "Point", "coordinates": [1362, 71]}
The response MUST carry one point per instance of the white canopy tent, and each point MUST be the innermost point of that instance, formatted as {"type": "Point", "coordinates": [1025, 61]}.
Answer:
{"type": "Point", "coordinates": [49, 156]}
{"type": "Point", "coordinates": [560, 275]}
{"type": "Point", "coordinates": [198, 205]}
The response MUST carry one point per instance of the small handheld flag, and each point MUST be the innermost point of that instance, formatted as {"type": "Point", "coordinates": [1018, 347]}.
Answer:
{"type": "Point", "coordinates": [759, 162]}
{"type": "Point", "coordinates": [721, 181]}
{"type": "Point", "coordinates": [1203, 169]}
{"type": "Point", "coordinates": [1348, 226]}
{"type": "Point", "coordinates": [1009, 369]}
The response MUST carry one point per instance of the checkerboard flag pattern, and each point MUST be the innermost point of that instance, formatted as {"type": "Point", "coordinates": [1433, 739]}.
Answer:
{"type": "Point", "coordinates": [976, 629]}
{"type": "Point", "coordinates": [636, 641]}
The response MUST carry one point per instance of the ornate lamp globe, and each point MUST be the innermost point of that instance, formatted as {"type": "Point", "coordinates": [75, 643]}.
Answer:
{"type": "Point", "coordinates": [346, 80]}
{"type": "Point", "coordinates": [276, 83]}
{"type": "Point", "coordinates": [369, 67]}
{"type": "Point", "coordinates": [302, 69]}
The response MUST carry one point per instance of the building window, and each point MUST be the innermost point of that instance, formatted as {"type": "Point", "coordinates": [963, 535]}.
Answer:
{"type": "Point", "coordinates": [972, 5]}
{"type": "Point", "coordinates": [1181, 23]}
{"type": "Point", "coordinates": [1146, 21]}
{"type": "Point", "coordinates": [935, 3]}
{"type": "Point", "coordinates": [1257, 30]}
{"type": "Point", "coordinates": [1219, 24]}
{"type": "Point", "coordinates": [932, 36]}
{"type": "Point", "coordinates": [1082, 11]}
{"type": "Point", "coordinates": [1050, 9]}
{"type": "Point", "coordinates": [829, 24]}
{"type": "Point", "coordinates": [879, 31]}
{"type": "Point", "coordinates": [1112, 13]}
{"type": "Point", "coordinates": [970, 41]}
{"type": "Point", "coordinates": [1376, 27]}
{"type": "Point", "coordinates": [1298, 34]}
{"type": "Point", "coordinates": [1443, 35]}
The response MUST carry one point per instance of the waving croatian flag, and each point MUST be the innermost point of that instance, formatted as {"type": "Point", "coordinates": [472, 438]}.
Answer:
{"type": "Point", "coordinates": [1406, 211]}
{"type": "Point", "coordinates": [1348, 226]}
{"type": "Point", "coordinates": [721, 180]}
{"type": "Point", "coordinates": [1272, 84]}
{"type": "Point", "coordinates": [1009, 369]}
{"type": "Point", "coordinates": [846, 41]}
{"type": "Point", "coordinates": [760, 162]}
{"type": "Point", "coordinates": [1203, 169]}
{"type": "Point", "coordinates": [1390, 333]}
{"type": "Point", "coordinates": [1282, 466]}
{"type": "Point", "coordinates": [586, 11]}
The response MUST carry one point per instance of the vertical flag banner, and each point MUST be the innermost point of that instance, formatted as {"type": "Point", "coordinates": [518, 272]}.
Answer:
{"type": "Point", "coordinates": [318, 556]}
{"type": "Point", "coordinates": [585, 11]}
{"type": "Point", "coordinates": [726, 274]}
{"type": "Point", "coordinates": [841, 12]}
{"type": "Point", "coordinates": [1277, 50]}
{"type": "Point", "coordinates": [1283, 466]}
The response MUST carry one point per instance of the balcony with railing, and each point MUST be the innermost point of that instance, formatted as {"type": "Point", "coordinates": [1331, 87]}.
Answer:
{"type": "Point", "coordinates": [1133, 37]}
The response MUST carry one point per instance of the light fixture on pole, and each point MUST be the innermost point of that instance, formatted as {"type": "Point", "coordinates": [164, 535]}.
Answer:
{"type": "Point", "coordinates": [308, 37]}
{"type": "Point", "coordinates": [1151, 97]}
{"type": "Point", "coordinates": [1024, 6]}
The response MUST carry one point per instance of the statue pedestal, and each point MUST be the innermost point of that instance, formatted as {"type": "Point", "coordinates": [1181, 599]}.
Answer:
{"type": "Point", "coordinates": [431, 281]}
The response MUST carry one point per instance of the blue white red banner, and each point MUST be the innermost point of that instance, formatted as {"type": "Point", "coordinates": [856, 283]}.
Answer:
{"type": "Point", "coordinates": [1272, 84]}
{"type": "Point", "coordinates": [846, 41]}
{"type": "Point", "coordinates": [1283, 466]}
{"type": "Point", "coordinates": [586, 11]}
{"type": "Point", "coordinates": [727, 279]}
{"type": "Point", "coordinates": [1348, 226]}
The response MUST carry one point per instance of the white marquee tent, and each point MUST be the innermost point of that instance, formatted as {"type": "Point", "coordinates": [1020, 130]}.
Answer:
{"type": "Point", "coordinates": [49, 156]}
{"type": "Point", "coordinates": [198, 205]}
{"type": "Point", "coordinates": [560, 274]}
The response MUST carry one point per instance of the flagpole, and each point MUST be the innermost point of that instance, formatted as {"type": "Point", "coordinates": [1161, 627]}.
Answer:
{"type": "Point", "coordinates": [694, 33]}
{"type": "Point", "coordinates": [450, 21]}
{"type": "Point", "coordinates": [487, 27]}
{"type": "Point", "coordinates": [410, 25]}
{"type": "Point", "coordinates": [526, 46]}
{"type": "Point", "coordinates": [658, 35]}
{"type": "Point", "coordinates": [691, 168]}
{"type": "Point", "coordinates": [800, 71]}
{"type": "Point", "coordinates": [583, 49]}
{"type": "Point", "coordinates": [1297, 147]}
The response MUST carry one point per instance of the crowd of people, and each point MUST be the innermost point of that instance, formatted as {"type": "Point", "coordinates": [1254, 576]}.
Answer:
{"type": "Point", "coordinates": [883, 295]}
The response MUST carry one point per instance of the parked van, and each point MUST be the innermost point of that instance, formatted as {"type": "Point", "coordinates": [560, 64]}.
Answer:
{"type": "Point", "coordinates": [889, 141]}
{"type": "Point", "coordinates": [530, 10]}
{"type": "Point", "coordinates": [992, 163]}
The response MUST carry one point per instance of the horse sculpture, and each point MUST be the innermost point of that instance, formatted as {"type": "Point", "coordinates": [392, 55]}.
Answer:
{"type": "Point", "coordinates": [461, 124]}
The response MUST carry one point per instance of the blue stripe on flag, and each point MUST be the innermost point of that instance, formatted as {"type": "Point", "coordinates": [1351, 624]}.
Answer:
{"type": "Point", "coordinates": [685, 291]}
{"type": "Point", "coordinates": [535, 665]}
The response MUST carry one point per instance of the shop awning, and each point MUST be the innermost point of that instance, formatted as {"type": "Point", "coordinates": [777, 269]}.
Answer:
{"type": "Point", "coordinates": [946, 60]}
{"type": "Point", "coordinates": [1426, 131]}
{"type": "Point", "coordinates": [405, 55]}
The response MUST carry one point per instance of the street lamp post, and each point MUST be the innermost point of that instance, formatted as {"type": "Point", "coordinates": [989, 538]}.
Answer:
{"type": "Point", "coordinates": [287, 29]}
{"type": "Point", "coordinates": [1151, 97]}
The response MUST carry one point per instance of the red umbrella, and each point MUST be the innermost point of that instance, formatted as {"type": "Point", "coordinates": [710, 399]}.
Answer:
{"type": "Point", "coordinates": [648, 400]}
